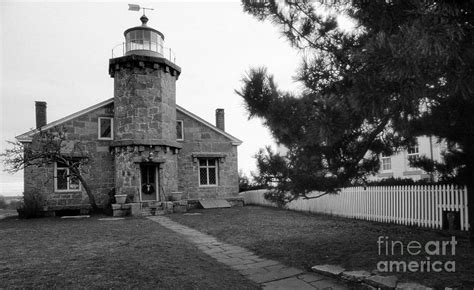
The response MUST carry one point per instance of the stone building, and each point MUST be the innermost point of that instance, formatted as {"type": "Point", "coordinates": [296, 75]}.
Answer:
{"type": "Point", "coordinates": [139, 143]}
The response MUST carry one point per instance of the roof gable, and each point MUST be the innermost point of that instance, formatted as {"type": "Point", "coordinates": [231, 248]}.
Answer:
{"type": "Point", "coordinates": [27, 137]}
{"type": "Point", "coordinates": [182, 110]}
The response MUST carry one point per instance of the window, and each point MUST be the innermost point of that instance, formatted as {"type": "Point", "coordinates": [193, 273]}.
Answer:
{"type": "Point", "coordinates": [179, 130]}
{"type": "Point", "coordinates": [105, 128]}
{"type": "Point", "coordinates": [63, 181]}
{"type": "Point", "coordinates": [413, 154]}
{"type": "Point", "coordinates": [208, 172]}
{"type": "Point", "coordinates": [386, 163]}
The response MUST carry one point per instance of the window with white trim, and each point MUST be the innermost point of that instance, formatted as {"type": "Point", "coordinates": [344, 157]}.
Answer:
{"type": "Point", "coordinates": [208, 168]}
{"type": "Point", "coordinates": [179, 130]}
{"type": "Point", "coordinates": [413, 154]}
{"type": "Point", "coordinates": [386, 163]}
{"type": "Point", "coordinates": [63, 181]}
{"type": "Point", "coordinates": [105, 128]}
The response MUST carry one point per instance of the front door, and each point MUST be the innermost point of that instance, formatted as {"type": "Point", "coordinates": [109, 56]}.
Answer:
{"type": "Point", "coordinates": [149, 182]}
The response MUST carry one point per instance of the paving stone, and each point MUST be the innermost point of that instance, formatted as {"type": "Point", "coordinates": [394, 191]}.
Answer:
{"type": "Point", "coordinates": [355, 275]}
{"type": "Point", "coordinates": [411, 285]}
{"type": "Point", "coordinates": [214, 250]}
{"type": "Point", "coordinates": [258, 259]}
{"type": "Point", "coordinates": [382, 281]}
{"type": "Point", "coordinates": [241, 267]}
{"type": "Point", "coordinates": [234, 254]}
{"type": "Point", "coordinates": [239, 254]}
{"type": "Point", "coordinates": [264, 263]}
{"type": "Point", "coordinates": [330, 270]}
{"type": "Point", "coordinates": [76, 217]}
{"type": "Point", "coordinates": [310, 277]}
{"type": "Point", "coordinates": [275, 267]}
{"type": "Point", "coordinates": [219, 255]}
{"type": "Point", "coordinates": [274, 275]}
{"type": "Point", "coordinates": [247, 262]}
{"type": "Point", "coordinates": [231, 261]}
{"type": "Point", "coordinates": [248, 255]}
{"type": "Point", "coordinates": [252, 271]}
{"type": "Point", "coordinates": [233, 250]}
{"type": "Point", "coordinates": [329, 284]}
{"type": "Point", "coordinates": [288, 283]}
{"type": "Point", "coordinates": [111, 219]}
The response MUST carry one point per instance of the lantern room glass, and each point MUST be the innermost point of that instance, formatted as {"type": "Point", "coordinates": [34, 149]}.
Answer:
{"type": "Point", "coordinates": [141, 39]}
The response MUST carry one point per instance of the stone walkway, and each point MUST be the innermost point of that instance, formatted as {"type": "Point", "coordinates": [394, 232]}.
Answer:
{"type": "Point", "coordinates": [268, 273]}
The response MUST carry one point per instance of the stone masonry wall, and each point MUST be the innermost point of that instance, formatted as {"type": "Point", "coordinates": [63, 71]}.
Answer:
{"type": "Point", "coordinates": [127, 164]}
{"type": "Point", "coordinates": [145, 116]}
{"type": "Point", "coordinates": [200, 138]}
{"type": "Point", "coordinates": [145, 101]}
{"type": "Point", "coordinates": [100, 176]}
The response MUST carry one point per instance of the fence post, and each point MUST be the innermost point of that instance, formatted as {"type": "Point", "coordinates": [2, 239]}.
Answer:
{"type": "Point", "coordinates": [428, 202]}
{"type": "Point", "coordinates": [468, 222]}
{"type": "Point", "coordinates": [412, 205]}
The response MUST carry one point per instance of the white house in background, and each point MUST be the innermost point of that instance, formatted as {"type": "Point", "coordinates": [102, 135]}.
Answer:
{"type": "Point", "coordinates": [398, 166]}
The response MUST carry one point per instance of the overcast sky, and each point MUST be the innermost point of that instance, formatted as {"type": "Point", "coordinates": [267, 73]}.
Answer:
{"type": "Point", "coordinates": [59, 53]}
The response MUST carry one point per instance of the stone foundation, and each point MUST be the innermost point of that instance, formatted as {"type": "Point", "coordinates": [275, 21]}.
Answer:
{"type": "Point", "coordinates": [121, 209]}
{"type": "Point", "coordinates": [149, 208]}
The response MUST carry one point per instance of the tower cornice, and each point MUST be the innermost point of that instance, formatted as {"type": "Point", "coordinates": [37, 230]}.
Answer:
{"type": "Point", "coordinates": [135, 60]}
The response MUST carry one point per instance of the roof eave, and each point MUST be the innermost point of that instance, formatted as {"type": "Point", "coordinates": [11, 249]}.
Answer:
{"type": "Point", "coordinates": [235, 141]}
{"type": "Point", "coordinates": [23, 139]}
{"type": "Point", "coordinates": [27, 137]}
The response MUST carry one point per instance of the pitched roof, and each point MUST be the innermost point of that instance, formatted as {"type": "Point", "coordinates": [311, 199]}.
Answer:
{"type": "Point", "coordinates": [27, 137]}
{"type": "Point", "coordinates": [235, 141]}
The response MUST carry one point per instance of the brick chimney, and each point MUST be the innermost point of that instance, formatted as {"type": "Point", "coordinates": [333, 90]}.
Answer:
{"type": "Point", "coordinates": [40, 114]}
{"type": "Point", "coordinates": [220, 121]}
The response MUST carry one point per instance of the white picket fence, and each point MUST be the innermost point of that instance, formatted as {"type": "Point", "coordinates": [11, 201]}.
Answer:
{"type": "Point", "coordinates": [409, 205]}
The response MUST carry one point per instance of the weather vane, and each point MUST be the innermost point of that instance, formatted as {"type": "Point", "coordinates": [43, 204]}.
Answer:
{"type": "Point", "coordinates": [135, 7]}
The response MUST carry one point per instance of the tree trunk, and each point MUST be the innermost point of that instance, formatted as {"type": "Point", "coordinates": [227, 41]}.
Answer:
{"type": "Point", "coordinates": [95, 208]}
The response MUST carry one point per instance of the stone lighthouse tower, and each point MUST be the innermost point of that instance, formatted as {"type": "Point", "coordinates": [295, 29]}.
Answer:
{"type": "Point", "coordinates": [144, 133]}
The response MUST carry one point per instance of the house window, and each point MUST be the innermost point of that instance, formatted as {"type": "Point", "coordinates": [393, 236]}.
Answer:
{"type": "Point", "coordinates": [413, 154]}
{"type": "Point", "coordinates": [208, 171]}
{"type": "Point", "coordinates": [63, 181]}
{"type": "Point", "coordinates": [179, 130]}
{"type": "Point", "coordinates": [386, 163]}
{"type": "Point", "coordinates": [105, 128]}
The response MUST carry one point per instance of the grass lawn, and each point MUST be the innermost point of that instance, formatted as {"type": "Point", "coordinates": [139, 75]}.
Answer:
{"type": "Point", "coordinates": [89, 253]}
{"type": "Point", "coordinates": [304, 240]}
